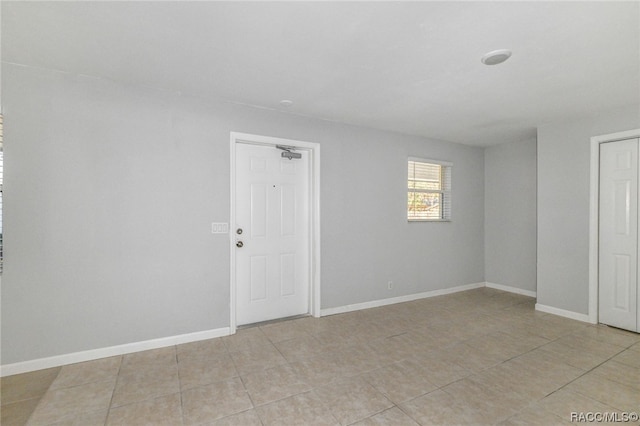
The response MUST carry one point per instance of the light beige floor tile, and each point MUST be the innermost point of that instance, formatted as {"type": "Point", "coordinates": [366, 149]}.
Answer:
{"type": "Point", "coordinates": [629, 357]}
{"type": "Point", "coordinates": [161, 355]}
{"type": "Point", "coordinates": [440, 335]}
{"type": "Point", "coordinates": [564, 402]}
{"type": "Point", "coordinates": [439, 369]}
{"type": "Point", "coordinates": [93, 418]}
{"type": "Point", "coordinates": [580, 358]}
{"type": "Point", "coordinates": [553, 327]}
{"type": "Point", "coordinates": [87, 372]}
{"type": "Point", "coordinates": [202, 349]}
{"type": "Point", "coordinates": [400, 382]}
{"type": "Point", "coordinates": [617, 395]}
{"type": "Point", "coordinates": [313, 325]}
{"type": "Point", "coordinates": [66, 403]}
{"type": "Point", "coordinates": [319, 370]}
{"type": "Point", "coordinates": [547, 366]}
{"type": "Point", "coordinates": [583, 342]}
{"type": "Point", "coordinates": [299, 410]}
{"type": "Point", "coordinates": [439, 408]}
{"type": "Point", "coordinates": [488, 351]}
{"type": "Point", "coordinates": [609, 335]}
{"type": "Point", "coordinates": [620, 373]}
{"type": "Point", "coordinates": [356, 359]}
{"type": "Point", "coordinates": [346, 321]}
{"type": "Point", "coordinates": [281, 331]}
{"type": "Point", "coordinates": [246, 418]}
{"type": "Point", "coordinates": [534, 417]}
{"type": "Point", "coordinates": [274, 384]}
{"type": "Point", "coordinates": [336, 340]}
{"type": "Point", "coordinates": [391, 417]}
{"type": "Point", "coordinates": [395, 322]}
{"type": "Point", "coordinates": [134, 388]}
{"type": "Point", "coordinates": [201, 370]}
{"type": "Point", "coordinates": [472, 359]}
{"type": "Point", "coordinates": [526, 342]}
{"type": "Point", "coordinates": [212, 402]}
{"type": "Point", "coordinates": [246, 339]}
{"type": "Point", "coordinates": [396, 348]}
{"type": "Point", "coordinates": [17, 413]}
{"type": "Point", "coordinates": [474, 325]}
{"type": "Point", "coordinates": [150, 363]}
{"type": "Point", "coordinates": [509, 379]}
{"type": "Point", "coordinates": [257, 359]}
{"type": "Point", "coordinates": [504, 346]}
{"type": "Point", "coordinates": [531, 379]}
{"type": "Point", "coordinates": [165, 410]}
{"type": "Point", "coordinates": [370, 330]}
{"type": "Point", "coordinates": [20, 387]}
{"type": "Point", "coordinates": [352, 400]}
{"type": "Point", "coordinates": [300, 348]}
{"type": "Point", "coordinates": [489, 404]}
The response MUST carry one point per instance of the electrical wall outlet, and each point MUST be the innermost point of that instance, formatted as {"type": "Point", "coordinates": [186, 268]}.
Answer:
{"type": "Point", "coordinates": [219, 228]}
{"type": "Point", "coordinates": [390, 285]}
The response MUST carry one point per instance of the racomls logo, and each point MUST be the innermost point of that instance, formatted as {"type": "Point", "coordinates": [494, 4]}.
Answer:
{"type": "Point", "coordinates": [604, 417]}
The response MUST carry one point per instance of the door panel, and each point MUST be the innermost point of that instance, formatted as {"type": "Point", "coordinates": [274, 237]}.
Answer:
{"type": "Point", "coordinates": [272, 209]}
{"type": "Point", "coordinates": [618, 234]}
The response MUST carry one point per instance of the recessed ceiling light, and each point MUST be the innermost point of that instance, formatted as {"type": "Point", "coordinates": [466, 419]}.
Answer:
{"type": "Point", "coordinates": [496, 57]}
{"type": "Point", "coordinates": [286, 103]}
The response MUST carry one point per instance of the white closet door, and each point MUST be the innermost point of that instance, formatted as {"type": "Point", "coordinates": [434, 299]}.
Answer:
{"type": "Point", "coordinates": [618, 234]}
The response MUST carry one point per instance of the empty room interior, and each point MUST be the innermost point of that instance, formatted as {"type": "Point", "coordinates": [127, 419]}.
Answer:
{"type": "Point", "coordinates": [319, 213]}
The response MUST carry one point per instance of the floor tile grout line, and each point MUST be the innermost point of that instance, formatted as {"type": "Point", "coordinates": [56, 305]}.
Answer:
{"type": "Point", "coordinates": [589, 371]}
{"type": "Point", "coordinates": [182, 411]}
{"type": "Point", "coordinates": [373, 414]}
{"type": "Point", "coordinates": [113, 392]}
{"type": "Point", "coordinates": [399, 406]}
{"type": "Point", "coordinates": [244, 386]}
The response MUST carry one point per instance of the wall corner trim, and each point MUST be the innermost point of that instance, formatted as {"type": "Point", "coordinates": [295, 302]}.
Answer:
{"type": "Point", "coordinates": [93, 354]}
{"type": "Point", "coordinates": [563, 313]}
{"type": "Point", "coordinates": [511, 289]}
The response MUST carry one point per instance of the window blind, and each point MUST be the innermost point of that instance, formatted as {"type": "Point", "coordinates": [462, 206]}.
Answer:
{"type": "Point", "coordinates": [429, 190]}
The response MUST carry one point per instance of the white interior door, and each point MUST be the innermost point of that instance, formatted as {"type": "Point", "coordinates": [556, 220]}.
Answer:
{"type": "Point", "coordinates": [272, 210]}
{"type": "Point", "coordinates": [618, 234]}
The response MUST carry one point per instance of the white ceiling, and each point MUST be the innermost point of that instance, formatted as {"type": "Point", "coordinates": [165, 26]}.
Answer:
{"type": "Point", "coordinates": [411, 67]}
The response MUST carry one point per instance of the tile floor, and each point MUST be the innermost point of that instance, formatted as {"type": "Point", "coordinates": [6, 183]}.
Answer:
{"type": "Point", "coordinates": [477, 357]}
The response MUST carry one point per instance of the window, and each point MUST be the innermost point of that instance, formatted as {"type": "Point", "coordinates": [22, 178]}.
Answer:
{"type": "Point", "coordinates": [429, 190]}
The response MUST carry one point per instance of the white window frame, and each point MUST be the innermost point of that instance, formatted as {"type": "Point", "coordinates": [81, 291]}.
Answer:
{"type": "Point", "coordinates": [445, 191]}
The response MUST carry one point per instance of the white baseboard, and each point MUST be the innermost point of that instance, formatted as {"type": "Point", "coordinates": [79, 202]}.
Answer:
{"type": "Point", "coordinates": [510, 289]}
{"type": "Point", "coordinates": [399, 299]}
{"type": "Point", "coordinates": [90, 355]}
{"type": "Point", "coordinates": [59, 360]}
{"type": "Point", "coordinates": [563, 313]}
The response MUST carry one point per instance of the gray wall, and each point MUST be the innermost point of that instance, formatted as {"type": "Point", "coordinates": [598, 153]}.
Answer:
{"type": "Point", "coordinates": [563, 206]}
{"type": "Point", "coordinates": [110, 192]}
{"type": "Point", "coordinates": [510, 214]}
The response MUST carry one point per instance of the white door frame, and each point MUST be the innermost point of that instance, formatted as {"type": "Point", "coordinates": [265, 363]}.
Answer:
{"type": "Point", "coordinates": [594, 204]}
{"type": "Point", "coordinates": [314, 219]}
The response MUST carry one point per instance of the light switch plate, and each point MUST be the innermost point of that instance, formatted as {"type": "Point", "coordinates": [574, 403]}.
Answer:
{"type": "Point", "coordinates": [219, 228]}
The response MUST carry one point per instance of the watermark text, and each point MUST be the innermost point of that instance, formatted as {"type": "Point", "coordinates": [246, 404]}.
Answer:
{"type": "Point", "coordinates": [603, 417]}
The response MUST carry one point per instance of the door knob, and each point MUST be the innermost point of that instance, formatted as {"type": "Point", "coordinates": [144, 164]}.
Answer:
{"type": "Point", "coordinates": [239, 244]}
